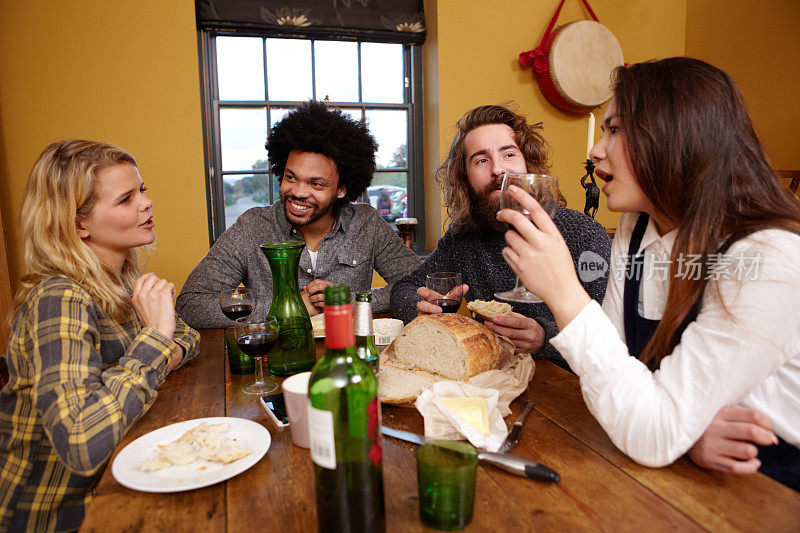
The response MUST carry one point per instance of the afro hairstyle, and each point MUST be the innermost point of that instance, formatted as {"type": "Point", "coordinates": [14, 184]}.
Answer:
{"type": "Point", "coordinates": [312, 127]}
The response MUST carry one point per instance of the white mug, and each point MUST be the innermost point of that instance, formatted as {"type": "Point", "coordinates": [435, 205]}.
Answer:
{"type": "Point", "coordinates": [295, 395]}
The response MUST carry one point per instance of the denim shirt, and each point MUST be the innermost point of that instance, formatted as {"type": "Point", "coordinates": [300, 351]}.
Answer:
{"type": "Point", "coordinates": [359, 242]}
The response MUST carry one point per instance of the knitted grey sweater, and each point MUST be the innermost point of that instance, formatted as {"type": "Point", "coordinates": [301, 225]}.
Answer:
{"type": "Point", "coordinates": [479, 260]}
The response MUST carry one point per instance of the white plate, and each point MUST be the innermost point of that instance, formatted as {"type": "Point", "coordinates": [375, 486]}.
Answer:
{"type": "Point", "coordinates": [200, 473]}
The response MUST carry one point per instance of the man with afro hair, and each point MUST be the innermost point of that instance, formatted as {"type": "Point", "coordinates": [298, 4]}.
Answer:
{"type": "Point", "coordinates": [324, 161]}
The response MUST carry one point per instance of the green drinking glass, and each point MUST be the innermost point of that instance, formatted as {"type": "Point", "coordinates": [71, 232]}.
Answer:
{"type": "Point", "coordinates": [446, 480]}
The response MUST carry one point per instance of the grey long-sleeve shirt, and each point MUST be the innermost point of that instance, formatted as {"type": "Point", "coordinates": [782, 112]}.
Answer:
{"type": "Point", "coordinates": [359, 242]}
{"type": "Point", "coordinates": [479, 260]}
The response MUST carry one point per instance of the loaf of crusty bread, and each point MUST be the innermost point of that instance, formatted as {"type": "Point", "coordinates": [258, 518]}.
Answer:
{"type": "Point", "coordinates": [489, 308]}
{"type": "Point", "coordinates": [450, 345]}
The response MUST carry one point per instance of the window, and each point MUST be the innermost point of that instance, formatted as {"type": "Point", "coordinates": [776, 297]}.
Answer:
{"type": "Point", "coordinates": [252, 82]}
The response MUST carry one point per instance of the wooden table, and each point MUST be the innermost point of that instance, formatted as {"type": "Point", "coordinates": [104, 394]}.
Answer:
{"type": "Point", "coordinates": [600, 488]}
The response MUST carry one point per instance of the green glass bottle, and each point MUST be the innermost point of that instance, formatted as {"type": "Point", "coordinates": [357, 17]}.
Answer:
{"type": "Point", "coordinates": [344, 422]}
{"type": "Point", "coordinates": [365, 339]}
{"type": "Point", "coordinates": [295, 351]}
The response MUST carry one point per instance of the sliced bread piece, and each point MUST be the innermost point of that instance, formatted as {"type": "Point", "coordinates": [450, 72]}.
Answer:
{"type": "Point", "coordinates": [489, 308]}
{"type": "Point", "coordinates": [401, 386]}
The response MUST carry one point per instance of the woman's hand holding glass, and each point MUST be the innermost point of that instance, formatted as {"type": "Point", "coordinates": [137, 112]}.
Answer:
{"type": "Point", "coordinates": [537, 253]}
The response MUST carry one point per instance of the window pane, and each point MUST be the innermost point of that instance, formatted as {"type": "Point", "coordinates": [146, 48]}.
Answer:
{"type": "Point", "coordinates": [243, 192]}
{"type": "Point", "coordinates": [389, 194]}
{"type": "Point", "coordinates": [276, 114]}
{"type": "Point", "coordinates": [243, 134]}
{"type": "Point", "coordinates": [276, 188]}
{"type": "Point", "coordinates": [240, 68]}
{"type": "Point", "coordinates": [289, 69]}
{"type": "Point", "coordinates": [355, 114]}
{"type": "Point", "coordinates": [382, 77]}
{"type": "Point", "coordinates": [336, 64]}
{"type": "Point", "coordinates": [389, 129]}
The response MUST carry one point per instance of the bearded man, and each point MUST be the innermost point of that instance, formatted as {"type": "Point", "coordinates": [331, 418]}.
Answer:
{"type": "Point", "coordinates": [324, 160]}
{"type": "Point", "coordinates": [490, 141]}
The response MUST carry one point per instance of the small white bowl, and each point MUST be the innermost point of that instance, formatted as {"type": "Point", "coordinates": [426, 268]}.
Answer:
{"type": "Point", "coordinates": [386, 330]}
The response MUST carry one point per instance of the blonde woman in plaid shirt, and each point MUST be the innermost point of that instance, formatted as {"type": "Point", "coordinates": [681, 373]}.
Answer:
{"type": "Point", "coordinates": [92, 338]}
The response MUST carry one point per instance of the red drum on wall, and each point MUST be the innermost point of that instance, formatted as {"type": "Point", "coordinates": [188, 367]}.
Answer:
{"type": "Point", "coordinates": [574, 62]}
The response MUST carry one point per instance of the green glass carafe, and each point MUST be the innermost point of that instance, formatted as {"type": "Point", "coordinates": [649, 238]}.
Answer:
{"type": "Point", "coordinates": [295, 351]}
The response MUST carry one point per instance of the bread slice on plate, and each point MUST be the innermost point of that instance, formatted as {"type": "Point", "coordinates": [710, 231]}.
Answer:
{"type": "Point", "coordinates": [489, 308]}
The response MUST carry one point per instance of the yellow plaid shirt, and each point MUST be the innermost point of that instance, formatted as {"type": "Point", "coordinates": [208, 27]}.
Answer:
{"type": "Point", "coordinates": [78, 381]}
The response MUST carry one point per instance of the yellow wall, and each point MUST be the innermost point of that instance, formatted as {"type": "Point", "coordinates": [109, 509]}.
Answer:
{"type": "Point", "coordinates": [430, 102]}
{"type": "Point", "coordinates": [758, 44]}
{"type": "Point", "coordinates": [125, 72]}
{"type": "Point", "coordinates": [478, 43]}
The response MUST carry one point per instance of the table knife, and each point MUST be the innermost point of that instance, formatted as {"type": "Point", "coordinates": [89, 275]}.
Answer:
{"type": "Point", "coordinates": [516, 429]}
{"type": "Point", "coordinates": [510, 463]}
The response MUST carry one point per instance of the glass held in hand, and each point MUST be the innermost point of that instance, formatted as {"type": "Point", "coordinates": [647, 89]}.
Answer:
{"type": "Point", "coordinates": [544, 189]}
{"type": "Point", "coordinates": [446, 290]}
{"type": "Point", "coordinates": [256, 337]}
{"type": "Point", "coordinates": [236, 303]}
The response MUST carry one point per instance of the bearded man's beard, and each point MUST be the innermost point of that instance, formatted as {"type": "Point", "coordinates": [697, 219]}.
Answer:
{"type": "Point", "coordinates": [485, 208]}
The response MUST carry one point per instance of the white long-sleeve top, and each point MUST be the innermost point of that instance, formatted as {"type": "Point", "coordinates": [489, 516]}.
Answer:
{"type": "Point", "coordinates": [751, 360]}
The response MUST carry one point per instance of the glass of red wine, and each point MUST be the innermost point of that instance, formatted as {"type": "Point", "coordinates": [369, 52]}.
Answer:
{"type": "Point", "coordinates": [256, 337]}
{"type": "Point", "coordinates": [447, 290]}
{"type": "Point", "coordinates": [544, 188]}
{"type": "Point", "coordinates": [236, 303]}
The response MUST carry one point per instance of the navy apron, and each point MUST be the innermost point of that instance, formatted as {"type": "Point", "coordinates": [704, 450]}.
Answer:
{"type": "Point", "coordinates": [781, 462]}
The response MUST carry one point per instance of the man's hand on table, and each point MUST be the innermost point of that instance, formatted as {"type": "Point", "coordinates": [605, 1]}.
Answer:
{"type": "Point", "coordinates": [313, 296]}
{"type": "Point", "coordinates": [526, 334]}
{"type": "Point", "coordinates": [729, 443]}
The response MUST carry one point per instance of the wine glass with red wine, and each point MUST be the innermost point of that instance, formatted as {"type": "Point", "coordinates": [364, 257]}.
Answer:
{"type": "Point", "coordinates": [447, 290]}
{"type": "Point", "coordinates": [256, 338]}
{"type": "Point", "coordinates": [236, 303]}
{"type": "Point", "coordinates": [544, 188]}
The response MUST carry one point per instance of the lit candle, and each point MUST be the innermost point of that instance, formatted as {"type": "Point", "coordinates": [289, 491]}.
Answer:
{"type": "Point", "coordinates": [590, 135]}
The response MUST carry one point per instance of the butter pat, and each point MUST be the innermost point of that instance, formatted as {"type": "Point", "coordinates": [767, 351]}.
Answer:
{"type": "Point", "coordinates": [474, 411]}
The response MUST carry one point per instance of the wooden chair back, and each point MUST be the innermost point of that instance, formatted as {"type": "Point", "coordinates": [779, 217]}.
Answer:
{"type": "Point", "coordinates": [790, 179]}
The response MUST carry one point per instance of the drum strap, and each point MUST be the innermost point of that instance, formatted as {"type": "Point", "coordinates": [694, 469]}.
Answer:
{"type": "Point", "coordinates": [537, 55]}
{"type": "Point", "coordinates": [558, 12]}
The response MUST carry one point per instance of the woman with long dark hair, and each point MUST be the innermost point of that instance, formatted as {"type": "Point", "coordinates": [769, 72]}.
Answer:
{"type": "Point", "coordinates": [705, 279]}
